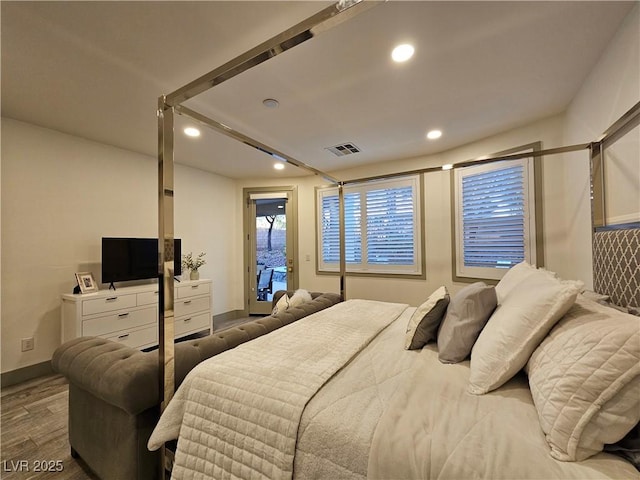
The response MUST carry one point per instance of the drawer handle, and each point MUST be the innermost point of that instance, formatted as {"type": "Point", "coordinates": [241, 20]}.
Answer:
{"type": "Point", "coordinates": [120, 337]}
{"type": "Point", "coordinates": [123, 315]}
{"type": "Point", "coordinates": [187, 302]}
{"type": "Point", "coordinates": [187, 320]}
{"type": "Point", "coordinates": [156, 292]}
{"type": "Point", "coordinates": [195, 286]}
{"type": "Point", "coordinates": [111, 299]}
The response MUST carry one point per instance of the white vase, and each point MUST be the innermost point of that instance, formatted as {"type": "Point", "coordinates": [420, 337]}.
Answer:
{"type": "Point", "coordinates": [194, 275]}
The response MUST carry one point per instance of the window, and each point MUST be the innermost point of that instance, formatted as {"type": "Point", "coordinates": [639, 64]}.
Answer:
{"type": "Point", "coordinates": [382, 227]}
{"type": "Point", "coordinates": [494, 218]}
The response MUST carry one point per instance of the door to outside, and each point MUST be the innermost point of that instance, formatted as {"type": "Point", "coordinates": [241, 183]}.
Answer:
{"type": "Point", "coordinates": [271, 251]}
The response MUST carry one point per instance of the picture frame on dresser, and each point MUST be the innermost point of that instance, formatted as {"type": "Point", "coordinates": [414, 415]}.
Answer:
{"type": "Point", "coordinates": [86, 282]}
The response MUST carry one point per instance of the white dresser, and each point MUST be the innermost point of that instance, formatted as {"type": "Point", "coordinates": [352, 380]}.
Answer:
{"type": "Point", "coordinates": [130, 314]}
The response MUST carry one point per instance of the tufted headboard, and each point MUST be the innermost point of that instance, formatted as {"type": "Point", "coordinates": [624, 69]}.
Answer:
{"type": "Point", "coordinates": [616, 264]}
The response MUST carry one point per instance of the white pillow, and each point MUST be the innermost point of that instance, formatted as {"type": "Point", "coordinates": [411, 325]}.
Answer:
{"type": "Point", "coordinates": [517, 327]}
{"type": "Point", "coordinates": [281, 305]}
{"type": "Point", "coordinates": [585, 380]}
{"type": "Point", "coordinates": [299, 297]}
{"type": "Point", "coordinates": [514, 275]}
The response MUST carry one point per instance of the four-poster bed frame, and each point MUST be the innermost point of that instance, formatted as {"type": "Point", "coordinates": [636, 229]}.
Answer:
{"type": "Point", "coordinates": [171, 104]}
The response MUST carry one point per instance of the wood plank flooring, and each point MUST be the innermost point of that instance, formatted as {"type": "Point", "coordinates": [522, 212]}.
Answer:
{"type": "Point", "coordinates": [35, 433]}
{"type": "Point", "coordinates": [34, 428]}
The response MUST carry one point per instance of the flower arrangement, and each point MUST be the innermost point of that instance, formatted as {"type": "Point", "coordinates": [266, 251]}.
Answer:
{"type": "Point", "coordinates": [193, 264]}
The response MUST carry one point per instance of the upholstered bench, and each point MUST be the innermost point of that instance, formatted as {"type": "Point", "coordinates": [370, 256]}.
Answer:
{"type": "Point", "coordinates": [113, 390]}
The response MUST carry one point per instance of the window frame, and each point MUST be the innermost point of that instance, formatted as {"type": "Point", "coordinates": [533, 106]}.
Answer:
{"type": "Point", "coordinates": [534, 247]}
{"type": "Point", "coordinates": [415, 270]}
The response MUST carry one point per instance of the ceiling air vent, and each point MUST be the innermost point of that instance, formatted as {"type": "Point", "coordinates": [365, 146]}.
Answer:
{"type": "Point", "coordinates": [343, 149]}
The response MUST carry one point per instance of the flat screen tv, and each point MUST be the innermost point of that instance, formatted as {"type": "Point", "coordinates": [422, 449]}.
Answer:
{"type": "Point", "coordinates": [125, 259]}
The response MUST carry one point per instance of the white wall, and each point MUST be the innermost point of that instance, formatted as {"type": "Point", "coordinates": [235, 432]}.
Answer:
{"type": "Point", "coordinates": [60, 195]}
{"type": "Point", "coordinates": [610, 90]}
{"type": "Point", "coordinates": [437, 208]}
{"type": "Point", "coordinates": [206, 221]}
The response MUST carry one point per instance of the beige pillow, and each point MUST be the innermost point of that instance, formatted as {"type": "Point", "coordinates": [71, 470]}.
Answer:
{"type": "Point", "coordinates": [585, 380]}
{"type": "Point", "coordinates": [423, 324]}
{"type": "Point", "coordinates": [517, 327]}
{"type": "Point", "coordinates": [281, 305]}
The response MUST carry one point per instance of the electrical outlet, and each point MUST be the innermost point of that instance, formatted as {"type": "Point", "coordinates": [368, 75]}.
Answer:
{"type": "Point", "coordinates": [27, 344]}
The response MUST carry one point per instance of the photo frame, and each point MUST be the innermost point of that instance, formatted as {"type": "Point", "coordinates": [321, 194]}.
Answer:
{"type": "Point", "coordinates": [86, 282]}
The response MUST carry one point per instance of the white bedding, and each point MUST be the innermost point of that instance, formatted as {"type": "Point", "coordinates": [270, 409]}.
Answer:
{"type": "Point", "coordinates": [390, 413]}
{"type": "Point", "coordinates": [237, 414]}
{"type": "Point", "coordinates": [434, 429]}
{"type": "Point", "coordinates": [338, 423]}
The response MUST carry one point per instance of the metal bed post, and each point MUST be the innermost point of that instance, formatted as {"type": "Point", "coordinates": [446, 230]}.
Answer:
{"type": "Point", "coordinates": [342, 234]}
{"type": "Point", "coordinates": [166, 360]}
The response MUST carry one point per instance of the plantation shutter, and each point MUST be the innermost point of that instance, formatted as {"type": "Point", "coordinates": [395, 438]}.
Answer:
{"type": "Point", "coordinates": [381, 227]}
{"type": "Point", "coordinates": [494, 217]}
{"type": "Point", "coordinates": [331, 228]}
{"type": "Point", "coordinates": [390, 226]}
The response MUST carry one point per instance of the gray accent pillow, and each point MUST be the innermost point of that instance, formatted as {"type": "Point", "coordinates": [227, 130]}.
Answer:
{"type": "Point", "coordinates": [423, 324]}
{"type": "Point", "coordinates": [468, 313]}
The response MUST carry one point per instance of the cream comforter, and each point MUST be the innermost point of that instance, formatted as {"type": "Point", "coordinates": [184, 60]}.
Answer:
{"type": "Point", "coordinates": [389, 413]}
{"type": "Point", "coordinates": [237, 414]}
{"type": "Point", "coordinates": [434, 429]}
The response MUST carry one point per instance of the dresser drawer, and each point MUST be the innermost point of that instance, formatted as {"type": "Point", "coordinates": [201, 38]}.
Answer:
{"type": "Point", "coordinates": [187, 307]}
{"type": "Point", "coordinates": [107, 324]}
{"type": "Point", "coordinates": [108, 304]}
{"type": "Point", "coordinates": [148, 298]}
{"type": "Point", "coordinates": [186, 291]}
{"type": "Point", "coordinates": [142, 337]}
{"type": "Point", "coordinates": [190, 324]}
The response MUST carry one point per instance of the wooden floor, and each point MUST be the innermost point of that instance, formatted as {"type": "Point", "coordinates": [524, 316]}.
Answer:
{"type": "Point", "coordinates": [34, 432]}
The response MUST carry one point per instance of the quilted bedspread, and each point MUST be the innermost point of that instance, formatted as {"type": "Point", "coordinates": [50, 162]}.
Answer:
{"type": "Point", "coordinates": [433, 429]}
{"type": "Point", "coordinates": [338, 423]}
{"type": "Point", "coordinates": [237, 414]}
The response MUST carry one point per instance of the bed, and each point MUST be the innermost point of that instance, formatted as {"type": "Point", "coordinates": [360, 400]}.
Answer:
{"type": "Point", "coordinates": [338, 394]}
{"type": "Point", "coordinates": [532, 378]}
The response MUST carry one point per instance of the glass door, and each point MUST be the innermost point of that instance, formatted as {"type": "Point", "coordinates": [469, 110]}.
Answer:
{"type": "Point", "coordinates": [271, 257]}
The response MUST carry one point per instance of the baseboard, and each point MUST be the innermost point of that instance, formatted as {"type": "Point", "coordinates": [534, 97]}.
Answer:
{"type": "Point", "coordinates": [25, 373]}
{"type": "Point", "coordinates": [232, 315]}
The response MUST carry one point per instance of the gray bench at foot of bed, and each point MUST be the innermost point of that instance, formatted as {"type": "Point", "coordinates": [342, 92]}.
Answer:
{"type": "Point", "coordinates": [113, 390]}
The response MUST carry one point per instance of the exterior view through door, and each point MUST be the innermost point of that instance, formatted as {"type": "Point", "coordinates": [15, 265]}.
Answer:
{"type": "Point", "coordinates": [270, 252]}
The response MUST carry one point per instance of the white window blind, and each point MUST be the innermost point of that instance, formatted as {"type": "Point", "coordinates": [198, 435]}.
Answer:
{"type": "Point", "coordinates": [390, 226]}
{"type": "Point", "coordinates": [330, 228]}
{"type": "Point", "coordinates": [495, 218]}
{"type": "Point", "coordinates": [381, 227]}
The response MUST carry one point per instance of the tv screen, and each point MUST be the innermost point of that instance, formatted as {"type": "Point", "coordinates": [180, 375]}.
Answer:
{"type": "Point", "coordinates": [125, 259]}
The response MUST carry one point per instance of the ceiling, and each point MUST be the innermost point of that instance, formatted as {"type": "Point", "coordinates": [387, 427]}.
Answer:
{"type": "Point", "coordinates": [96, 70]}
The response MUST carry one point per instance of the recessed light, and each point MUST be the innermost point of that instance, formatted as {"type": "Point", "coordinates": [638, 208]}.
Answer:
{"type": "Point", "coordinates": [402, 53]}
{"type": "Point", "coordinates": [192, 132]}
{"type": "Point", "coordinates": [447, 166]}
{"type": "Point", "coordinates": [278, 166]}
{"type": "Point", "coordinates": [434, 134]}
{"type": "Point", "coordinates": [270, 103]}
